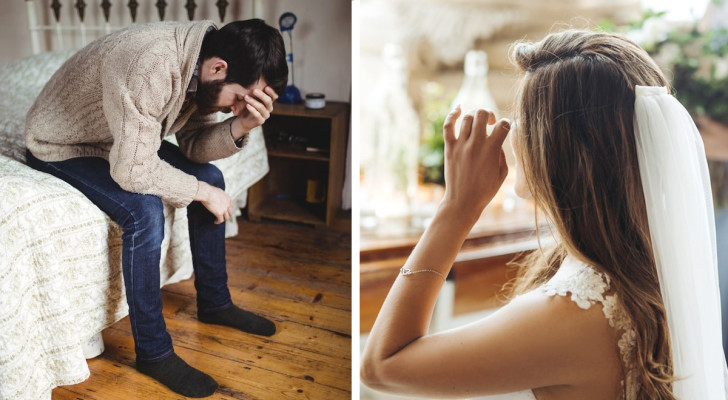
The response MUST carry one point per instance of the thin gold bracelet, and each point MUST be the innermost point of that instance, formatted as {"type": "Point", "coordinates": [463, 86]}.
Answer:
{"type": "Point", "coordinates": [407, 271]}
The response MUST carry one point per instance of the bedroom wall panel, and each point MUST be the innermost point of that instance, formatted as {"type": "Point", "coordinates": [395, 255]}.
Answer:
{"type": "Point", "coordinates": [322, 36]}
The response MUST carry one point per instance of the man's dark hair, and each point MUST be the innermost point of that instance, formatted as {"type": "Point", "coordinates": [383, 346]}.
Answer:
{"type": "Point", "coordinates": [252, 50]}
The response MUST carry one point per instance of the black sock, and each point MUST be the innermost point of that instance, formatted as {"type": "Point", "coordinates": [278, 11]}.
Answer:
{"type": "Point", "coordinates": [179, 376]}
{"type": "Point", "coordinates": [239, 319]}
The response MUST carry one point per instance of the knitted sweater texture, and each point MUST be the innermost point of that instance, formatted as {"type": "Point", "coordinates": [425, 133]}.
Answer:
{"type": "Point", "coordinates": [118, 97]}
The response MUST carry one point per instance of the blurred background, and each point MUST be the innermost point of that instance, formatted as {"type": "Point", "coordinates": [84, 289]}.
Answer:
{"type": "Point", "coordinates": [420, 58]}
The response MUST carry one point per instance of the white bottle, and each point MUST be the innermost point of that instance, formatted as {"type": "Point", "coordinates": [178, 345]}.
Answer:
{"type": "Point", "coordinates": [474, 92]}
{"type": "Point", "coordinates": [389, 144]}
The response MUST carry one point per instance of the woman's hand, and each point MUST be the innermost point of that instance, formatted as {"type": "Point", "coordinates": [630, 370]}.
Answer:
{"type": "Point", "coordinates": [475, 164]}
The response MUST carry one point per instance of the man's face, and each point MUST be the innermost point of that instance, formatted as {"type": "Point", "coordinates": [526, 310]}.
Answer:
{"type": "Point", "coordinates": [216, 95]}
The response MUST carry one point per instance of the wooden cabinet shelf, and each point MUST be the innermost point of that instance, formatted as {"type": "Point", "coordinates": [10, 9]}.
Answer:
{"type": "Point", "coordinates": [275, 150]}
{"type": "Point", "coordinates": [292, 210]}
{"type": "Point", "coordinates": [297, 175]}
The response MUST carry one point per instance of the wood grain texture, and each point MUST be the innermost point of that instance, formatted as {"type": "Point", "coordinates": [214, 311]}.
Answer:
{"type": "Point", "coordinates": [480, 272]}
{"type": "Point", "coordinates": [299, 277]}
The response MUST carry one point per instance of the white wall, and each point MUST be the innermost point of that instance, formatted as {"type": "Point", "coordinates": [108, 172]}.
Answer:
{"type": "Point", "coordinates": [321, 44]}
{"type": "Point", "coordinates": [322, 36]}
{"type": "Point", "coordinates": [14, 42]}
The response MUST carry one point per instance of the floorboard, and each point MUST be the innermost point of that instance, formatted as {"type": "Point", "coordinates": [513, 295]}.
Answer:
{"type": "Point", "coordinates": [298, 276]}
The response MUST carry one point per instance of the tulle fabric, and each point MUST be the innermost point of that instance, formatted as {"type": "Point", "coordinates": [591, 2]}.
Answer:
{"type": "Point", "coordinates": [677, 193]}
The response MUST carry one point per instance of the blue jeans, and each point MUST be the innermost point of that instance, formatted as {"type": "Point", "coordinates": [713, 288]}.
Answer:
{"type": "Point", "coordinates": [141, 218]}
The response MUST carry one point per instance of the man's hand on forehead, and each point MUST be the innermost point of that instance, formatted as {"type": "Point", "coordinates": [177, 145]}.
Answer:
{"type": "Point", "coordinates": [260, 102]}
{"type": "Point", "coordinates": [266, 96]}
{"type": "Point", "coordinates": [258, 107]}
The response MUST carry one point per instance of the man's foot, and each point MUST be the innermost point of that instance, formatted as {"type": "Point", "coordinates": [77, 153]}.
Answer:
{"type": "Point", "coordinates": [179, 376]}
{"type": "Point", "coordinates": [239, 319]}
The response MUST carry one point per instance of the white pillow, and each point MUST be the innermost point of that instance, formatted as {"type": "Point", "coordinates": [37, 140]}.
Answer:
{"type": "Point", "coordinates": [20, 83]}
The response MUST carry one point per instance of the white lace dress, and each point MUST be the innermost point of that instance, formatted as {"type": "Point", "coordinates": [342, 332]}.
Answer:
{"type": "Point", "coordinates": [587, 286]}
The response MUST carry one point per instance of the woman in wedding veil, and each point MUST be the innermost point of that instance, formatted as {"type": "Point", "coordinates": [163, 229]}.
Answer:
{"type": "Point", "coordinates": [625, 304]}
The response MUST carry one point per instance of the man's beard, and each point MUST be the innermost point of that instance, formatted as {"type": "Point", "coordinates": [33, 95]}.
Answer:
{"type": "Point", "coordinates": [207, 95]}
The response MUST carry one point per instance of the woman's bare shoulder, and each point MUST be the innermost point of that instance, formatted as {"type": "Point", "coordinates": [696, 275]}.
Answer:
{"type": "Point", "coordinates": [582, 337]}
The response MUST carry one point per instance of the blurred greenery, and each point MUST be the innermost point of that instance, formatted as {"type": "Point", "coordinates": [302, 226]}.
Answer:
{"type": "Point", "coordinates": [696, 62]}
{"type": "Point", "coordinates": [700, 83]}
{"type": "Point", "coordinates": [608, 25]}
{"type": "Point", "coordinates": [432, 146]}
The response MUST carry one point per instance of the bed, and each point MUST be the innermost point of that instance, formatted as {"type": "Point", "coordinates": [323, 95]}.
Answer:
{"type": "Point", "coordinates": [60, 256]}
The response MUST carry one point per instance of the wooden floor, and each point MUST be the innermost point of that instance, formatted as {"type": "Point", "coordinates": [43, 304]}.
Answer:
{"type": "Point", "coordinates": [300, 277]}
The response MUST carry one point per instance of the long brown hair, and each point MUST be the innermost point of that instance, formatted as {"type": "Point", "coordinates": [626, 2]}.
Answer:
{"type": "Point", "coordinates": [575, 138]}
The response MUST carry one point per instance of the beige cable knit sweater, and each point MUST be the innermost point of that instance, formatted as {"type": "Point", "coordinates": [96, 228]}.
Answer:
{"type": "Point", "coordinates": [118, 97]}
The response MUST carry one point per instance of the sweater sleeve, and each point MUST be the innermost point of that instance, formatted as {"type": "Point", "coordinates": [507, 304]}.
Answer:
{"type": "Point", "coordinates": [203, 140]}
{"type": "Point", "coordinates": [137, 89]}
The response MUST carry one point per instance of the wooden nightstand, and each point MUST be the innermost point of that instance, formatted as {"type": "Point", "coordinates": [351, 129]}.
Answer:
{"type": "Point", "coordinates": [307, 155]}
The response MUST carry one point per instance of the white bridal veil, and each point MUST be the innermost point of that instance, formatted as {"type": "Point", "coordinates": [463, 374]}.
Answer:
{"type": "Point", "coordinates": [680, 213]}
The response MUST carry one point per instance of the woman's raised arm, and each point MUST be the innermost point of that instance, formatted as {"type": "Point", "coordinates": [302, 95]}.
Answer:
{"type": "Point", "coordinates": [513, 349]}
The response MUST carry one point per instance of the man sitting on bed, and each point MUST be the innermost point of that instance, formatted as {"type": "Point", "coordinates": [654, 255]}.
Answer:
{"type": "Point", "coordinates": [99, 123]}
